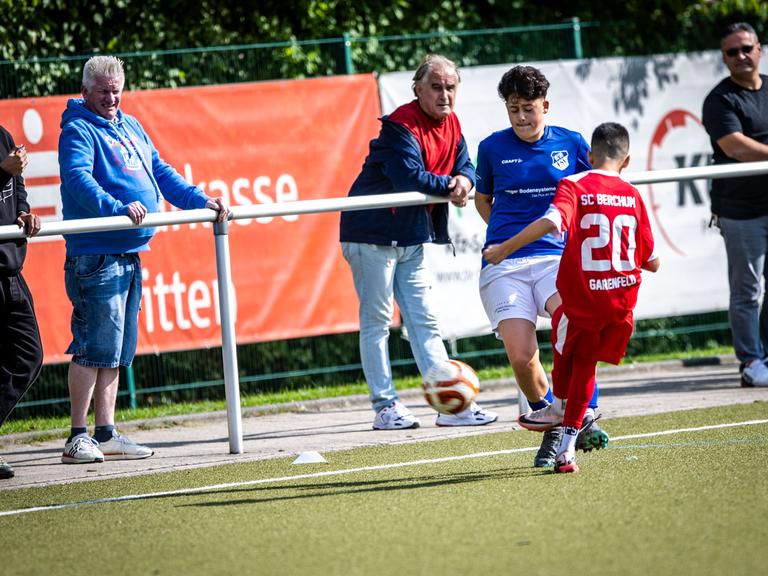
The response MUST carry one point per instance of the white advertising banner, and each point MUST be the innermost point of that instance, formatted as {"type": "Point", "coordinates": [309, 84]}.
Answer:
{"type": "Point", "coordinates": [659, 99]}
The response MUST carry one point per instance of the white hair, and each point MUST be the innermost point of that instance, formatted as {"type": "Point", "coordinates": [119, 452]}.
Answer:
{"type": "Point", "coordinates": [429, 63]}
{"type": "Point", "coordinates": [102, 67]}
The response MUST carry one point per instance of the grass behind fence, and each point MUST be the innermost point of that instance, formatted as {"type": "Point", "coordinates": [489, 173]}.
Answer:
{"type": "Point", "coordinates": [332, 362]}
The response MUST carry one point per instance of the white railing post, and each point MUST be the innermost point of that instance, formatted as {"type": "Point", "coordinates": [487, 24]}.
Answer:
{"type": "Point", "coordinates": [228, 339]}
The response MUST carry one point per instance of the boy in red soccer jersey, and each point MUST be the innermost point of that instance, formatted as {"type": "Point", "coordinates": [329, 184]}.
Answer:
{"type": "Point", "coordinates": [609, 241]}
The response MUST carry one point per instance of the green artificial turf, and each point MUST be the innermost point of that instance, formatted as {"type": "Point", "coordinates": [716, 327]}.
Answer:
{"type": "Point", "coordinates": [683, 503]}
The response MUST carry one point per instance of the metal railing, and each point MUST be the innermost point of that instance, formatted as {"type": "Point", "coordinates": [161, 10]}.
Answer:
{"type": "Point", "coordinates": [221, 239]}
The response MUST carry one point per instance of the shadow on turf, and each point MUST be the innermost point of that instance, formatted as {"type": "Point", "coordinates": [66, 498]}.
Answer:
{"type": "Point", "coordinates": [370, 486]}
{"type": "Point", "coordinates": [288, 433]}
{"type": "Point", "coordinates": [672, 384]}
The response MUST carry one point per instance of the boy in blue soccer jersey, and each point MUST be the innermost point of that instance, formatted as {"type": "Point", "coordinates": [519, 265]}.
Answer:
{"type": "Point", "coordinates": [518, 169]}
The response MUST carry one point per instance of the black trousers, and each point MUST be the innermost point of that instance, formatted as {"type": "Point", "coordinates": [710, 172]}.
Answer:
{"type": "Point", "coordinates": [21, 352]}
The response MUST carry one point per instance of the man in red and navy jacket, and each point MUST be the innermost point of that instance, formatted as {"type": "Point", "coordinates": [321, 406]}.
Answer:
{"type": "Point", "coordinates": [420, 148]}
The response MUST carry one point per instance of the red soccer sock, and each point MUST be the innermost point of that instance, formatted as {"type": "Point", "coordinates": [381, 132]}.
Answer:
{"type": "Point", "coordinates": [580, 389]}
{"type": "Point", "coordinates": [561, 369]}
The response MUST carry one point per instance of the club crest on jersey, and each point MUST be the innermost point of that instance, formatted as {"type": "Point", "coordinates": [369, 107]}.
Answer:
{"type": "Point", "coordinates": [560, 159]}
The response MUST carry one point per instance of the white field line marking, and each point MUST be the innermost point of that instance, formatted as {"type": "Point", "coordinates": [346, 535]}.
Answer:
{"type": "Point", "coordinates": [187, 491]}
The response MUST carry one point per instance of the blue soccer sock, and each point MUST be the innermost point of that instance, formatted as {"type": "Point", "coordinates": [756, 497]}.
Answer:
{"type": "Point", "coordinates": [103, 433]}
{"type": "Point", "coordinates": [595, 396]}
{"type": "Point", "coordinates": [544, 402]}
{"type": "Point", "coordinates": [76, 432]}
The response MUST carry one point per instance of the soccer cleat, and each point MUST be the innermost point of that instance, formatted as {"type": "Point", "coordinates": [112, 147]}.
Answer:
{"type": "Point", "coordinates": [472, 416]}
{"type": "Point", "coordinates": [82, 449]}
{"type": "Point", "coordinates": [395, 417]}
{"type": "Point", "coordinates": [754, 374]}
{"type": "Point", "coordinates": [120, 447]}
{"type": "Point", "coordinates": [540, 420]}
{"type": "Point", "coordinates": [6, 470]}
{"type": "Point", "coordinates": [591, 436]}
{"type": "Point", "coordinates": [545, 457]}
{"type": "Point", "coordinates": [566, 463]}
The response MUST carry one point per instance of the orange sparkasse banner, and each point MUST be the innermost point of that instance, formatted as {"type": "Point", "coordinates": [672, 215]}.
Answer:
{"type": "Point", "coordinates": [255, 143]}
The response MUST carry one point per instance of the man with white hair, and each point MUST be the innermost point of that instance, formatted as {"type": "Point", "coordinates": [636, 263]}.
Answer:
{"type": "Point", "coordinates": [420, 148]}
{"type": "Point", "coordinates": [109, 167]}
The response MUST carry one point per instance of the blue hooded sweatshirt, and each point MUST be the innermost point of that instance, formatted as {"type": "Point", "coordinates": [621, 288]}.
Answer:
{"type": "Point", "coordinates": [104, 166]}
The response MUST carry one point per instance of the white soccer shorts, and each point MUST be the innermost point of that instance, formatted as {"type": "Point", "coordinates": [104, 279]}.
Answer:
{"type": "Point", "coordinates": [518, 288]}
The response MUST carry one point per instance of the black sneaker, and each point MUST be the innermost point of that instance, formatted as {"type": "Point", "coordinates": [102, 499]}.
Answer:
{"type": "Point", "coordinates": [591, 436]}
{"type": "Point", "coordinates": [545, 457]}
{"type": "Point", "coordinates": [6, 470]}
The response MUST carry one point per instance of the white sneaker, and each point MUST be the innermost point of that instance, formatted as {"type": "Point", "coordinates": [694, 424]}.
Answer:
{"type": "Point", "coordinates": [82, 449]}
{"type": "Point", "coordinates": [541, 420]}
{"type": "Point", "coordinates": [472, 416]}
{"type": "Point", "coordinates": [120, 447]}
{"type": "Point", "coordinates": [755, 374]}
{"type": "Point", "coordinates": [395, 417]}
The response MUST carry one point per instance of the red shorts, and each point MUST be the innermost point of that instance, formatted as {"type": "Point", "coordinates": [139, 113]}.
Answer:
{"type": "Point", "coordinates": [598, 340]}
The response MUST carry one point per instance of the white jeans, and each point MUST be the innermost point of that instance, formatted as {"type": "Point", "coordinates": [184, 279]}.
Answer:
{"type": "Point", "coordinates": [379, 273]}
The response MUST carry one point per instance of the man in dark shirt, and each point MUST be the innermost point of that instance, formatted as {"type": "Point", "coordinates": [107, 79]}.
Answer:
{"type": "Point", "coordinates": [735, 116]}
{"type": "Point", "coordinates": [21, 353]}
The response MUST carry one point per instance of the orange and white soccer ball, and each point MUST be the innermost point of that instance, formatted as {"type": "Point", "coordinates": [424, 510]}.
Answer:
{"type": "Point", "coordinates": [450, 386]}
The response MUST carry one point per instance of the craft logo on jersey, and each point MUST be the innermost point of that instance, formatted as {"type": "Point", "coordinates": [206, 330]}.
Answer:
{"type": "Point", "coordinates": [560, 159]}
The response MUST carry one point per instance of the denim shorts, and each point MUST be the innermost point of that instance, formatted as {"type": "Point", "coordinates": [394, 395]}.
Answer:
{"type": "Point", "coordinates": [105, 291]}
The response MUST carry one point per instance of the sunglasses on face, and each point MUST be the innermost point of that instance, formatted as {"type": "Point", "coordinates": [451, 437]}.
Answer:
{"type": "Point", "coordinates": [746, 49]}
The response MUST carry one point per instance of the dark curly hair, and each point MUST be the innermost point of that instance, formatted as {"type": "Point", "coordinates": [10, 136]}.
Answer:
{"type": "Point", "coordinates": [524, 82]}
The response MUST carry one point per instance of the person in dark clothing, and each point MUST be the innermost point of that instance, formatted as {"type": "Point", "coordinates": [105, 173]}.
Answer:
{"type": "Point", "coordinates": [735, 115]}
{"type": "Point", "coordinates": [21, 352]}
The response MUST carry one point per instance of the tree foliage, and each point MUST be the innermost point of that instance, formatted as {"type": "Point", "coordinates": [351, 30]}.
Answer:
{"type": "Point", "coordinates": [55, 28]}
{"type": "Point", "coordinates": [43, 42]}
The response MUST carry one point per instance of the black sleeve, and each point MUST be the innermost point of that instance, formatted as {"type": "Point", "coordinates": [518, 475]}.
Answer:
{"type": "Point", "coordinates": [21, 195]}
{"type": "Point", "coordinates": [720, 117]}
{"type": "Point", "coordinates": [6, 145]}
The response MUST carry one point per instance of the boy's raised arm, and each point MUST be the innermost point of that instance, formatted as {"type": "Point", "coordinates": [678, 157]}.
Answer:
{"type": "Point", "coordinates": [652, 265]}
{"type": "Point", "coordinates": [496, 253]}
